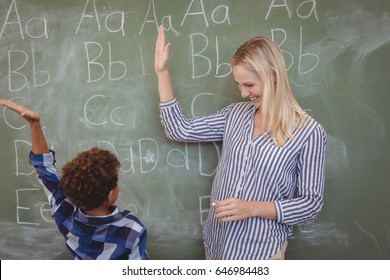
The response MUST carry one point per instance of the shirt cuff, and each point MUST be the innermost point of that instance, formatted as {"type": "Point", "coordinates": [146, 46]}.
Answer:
{"type": "Point", "coordinates": [42, 159]}
{"type": "Point", "coordinates": [168, 103]}
{"type": "Point", "coordinates": [279, 212]}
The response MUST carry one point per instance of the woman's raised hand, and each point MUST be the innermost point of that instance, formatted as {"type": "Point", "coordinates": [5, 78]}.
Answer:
{"type": "Point", "coordinates": [161, 52]}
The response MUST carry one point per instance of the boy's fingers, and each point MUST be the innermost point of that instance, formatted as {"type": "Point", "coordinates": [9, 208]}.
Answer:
{"type": "Point", "coordinates": [21, 110]}
{"type": "Point", "coordinates": [13, 106]}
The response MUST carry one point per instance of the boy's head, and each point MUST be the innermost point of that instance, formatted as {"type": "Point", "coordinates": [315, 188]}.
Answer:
{"type": "Point", "coordinates": [88, 179]}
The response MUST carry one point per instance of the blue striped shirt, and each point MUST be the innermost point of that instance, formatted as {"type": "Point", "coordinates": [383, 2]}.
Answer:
{"type": "Point", "coordinates": [254, 169]}
{"type": "Point", "coordinates": [119, 235]}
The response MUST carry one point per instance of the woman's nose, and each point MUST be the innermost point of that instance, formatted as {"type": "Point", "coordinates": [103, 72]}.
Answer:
{"type": "Point", "coordinates": [244, 93]}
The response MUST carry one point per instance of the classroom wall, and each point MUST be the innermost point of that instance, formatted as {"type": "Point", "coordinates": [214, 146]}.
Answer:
{"type": "Point", "coordinates": [87, 67]}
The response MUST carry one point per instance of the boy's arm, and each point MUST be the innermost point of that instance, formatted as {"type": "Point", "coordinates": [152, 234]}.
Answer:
{"type": "Point", "coordinates": [38, 141]}
{"type": "Point", "coordinates": [139, 248]}
{"type": "Point", "coordinates": [41, 159]}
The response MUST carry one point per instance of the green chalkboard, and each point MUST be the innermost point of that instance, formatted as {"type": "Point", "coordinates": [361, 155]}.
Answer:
{"type": "Point", "coordinates": [87, 67]}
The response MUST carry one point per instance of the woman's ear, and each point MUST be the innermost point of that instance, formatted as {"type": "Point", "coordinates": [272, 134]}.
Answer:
{"type": "Point", "coordinates": [274, 77]}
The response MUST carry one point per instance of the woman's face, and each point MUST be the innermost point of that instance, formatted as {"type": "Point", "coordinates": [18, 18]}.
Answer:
{"type": "Point", "coordinates": [249, 84]}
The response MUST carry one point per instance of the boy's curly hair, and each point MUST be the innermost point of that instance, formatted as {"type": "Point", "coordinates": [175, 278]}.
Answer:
{"type": "Point", "coordinates": [89, 177]}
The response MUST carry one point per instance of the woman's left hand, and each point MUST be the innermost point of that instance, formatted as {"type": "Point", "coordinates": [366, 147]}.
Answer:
{"type": "Point", "coordinates": [233, 209]}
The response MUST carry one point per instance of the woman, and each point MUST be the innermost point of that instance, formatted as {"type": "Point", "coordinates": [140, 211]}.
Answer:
{"type": "Point", "coordinates": [271, 173]}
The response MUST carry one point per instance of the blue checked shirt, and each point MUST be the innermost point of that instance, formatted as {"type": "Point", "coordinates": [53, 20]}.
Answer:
{"type": "Point", "coordinates": [254, 169]}
{"type": "Point", "coordinates": [119, 235]}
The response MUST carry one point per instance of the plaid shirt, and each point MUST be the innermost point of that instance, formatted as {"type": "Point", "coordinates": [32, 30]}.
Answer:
{"type": "Point", "coordinates": [119, 235]}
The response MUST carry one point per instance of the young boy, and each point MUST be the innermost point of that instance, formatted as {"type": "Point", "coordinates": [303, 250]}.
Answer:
{"type": "Point", "coordinates": [82, 200]}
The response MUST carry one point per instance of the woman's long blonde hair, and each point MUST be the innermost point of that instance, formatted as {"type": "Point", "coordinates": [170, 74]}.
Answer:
{"type": "Point", "coordinates": [279, 105]}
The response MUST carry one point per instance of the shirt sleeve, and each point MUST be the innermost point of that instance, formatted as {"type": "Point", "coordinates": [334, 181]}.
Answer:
{"type": "Point", "coordinates": [307, 204]}
{"type": "Point", "coordinates": [138, 251]}
{"type": "Point", "coordinates": [48, 177]}
{"type": "Point", "coordinates": [198, 129]}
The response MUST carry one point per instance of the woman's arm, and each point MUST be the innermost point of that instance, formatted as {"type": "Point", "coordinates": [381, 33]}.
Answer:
{"type": "Point", "coordinates": [233, 209]}
{"type": "Point", "coordinates": [161, 67]}
{"type": "Point", "coordinates": [301, 209]}
{"type": "Point", "coordinates": [307, 204]}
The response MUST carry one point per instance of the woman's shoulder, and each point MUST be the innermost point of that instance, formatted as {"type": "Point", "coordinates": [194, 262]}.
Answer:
{"type": "Point", "coordinates": [311, 123]}
{"type": "Point", "coordinates": [242, 106]}
{"type": "Point", "coordinates": [312, 126]}
{"type": "Point", "coordinates": [239, 110]}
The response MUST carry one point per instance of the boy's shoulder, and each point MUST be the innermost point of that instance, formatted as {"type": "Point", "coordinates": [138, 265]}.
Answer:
{"type": "Point", "coordinates": [123, 222]}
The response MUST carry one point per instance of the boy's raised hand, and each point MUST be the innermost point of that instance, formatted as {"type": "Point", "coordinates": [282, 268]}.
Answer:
{"type": "Point", "coordinates": [26, 113]}
{"type": "Point", "coordinates": [38, 141]}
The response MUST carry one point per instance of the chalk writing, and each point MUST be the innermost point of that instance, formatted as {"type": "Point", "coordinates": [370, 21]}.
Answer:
{"type": "Point", "coordinates": [89, 66]}
{"type": "Point", "coordinates": [196, 8]}
{"type": "Point", "coordinates": [299, 11]}
{"type": "Point", "coordinates": [304, 67]}
{"type": "Point", "coordinates": [109, 18]}
{"type": "Point", "coordinates": [30, 29]}
{"type": "Point", "coordinates": [93, 62]}
{"type": "Point", "coordinates": [15, 76]}
{"type": "Point", "coordinates": [104, 63]}
{"type": "Point", "coordinates": [204, 208]}
{"type": "Point", "coordinates": [198, 54]}
{"type": "Point", "coordinates": [8, 122]}
{"type": "Point", "coordinates": [21, 145]}
{"type": "Point", "coordinates": [114, 112]}
{"type": "Point", "coordinates": [381, 250]}
{"type": "Point", "coordinates": [20, 207]}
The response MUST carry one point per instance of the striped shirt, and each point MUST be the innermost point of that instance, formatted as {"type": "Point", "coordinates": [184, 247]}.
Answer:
{"type": "Point", "coordinates": [254, 169]}
{"type": "Point", "coordinates": [119, 235]}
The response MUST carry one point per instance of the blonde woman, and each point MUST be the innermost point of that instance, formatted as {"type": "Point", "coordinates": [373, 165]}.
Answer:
{"type": "Point", "coordinates": [270, 176]}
